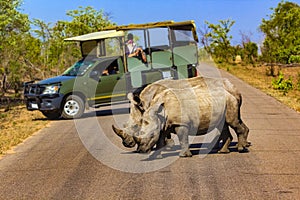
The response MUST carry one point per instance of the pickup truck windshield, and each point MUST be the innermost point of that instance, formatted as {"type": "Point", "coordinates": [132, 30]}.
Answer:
{"type": "Point", "coordinates": [79, 68]}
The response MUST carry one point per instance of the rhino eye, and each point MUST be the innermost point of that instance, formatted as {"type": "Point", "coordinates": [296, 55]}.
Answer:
{"type": "Point", "coordinates": [135, 126]}
{"type": "Point", "coordinates": [145, 123]}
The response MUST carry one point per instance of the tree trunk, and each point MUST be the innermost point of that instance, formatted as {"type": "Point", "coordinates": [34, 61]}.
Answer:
{"type": "Point", "coordinates": [4, 89]}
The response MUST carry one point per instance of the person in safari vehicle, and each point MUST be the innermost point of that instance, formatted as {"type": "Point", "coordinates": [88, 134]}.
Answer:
{"type": "Point", "coordinates": [133, 51]}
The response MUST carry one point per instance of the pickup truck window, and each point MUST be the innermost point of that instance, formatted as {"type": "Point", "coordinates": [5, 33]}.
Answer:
{"type": "Point", "coordinates": [79, 68]}
{"type": "Point", "coordinates": [107, 68]}
{"type": "Point", "coordinates": [89, 48]}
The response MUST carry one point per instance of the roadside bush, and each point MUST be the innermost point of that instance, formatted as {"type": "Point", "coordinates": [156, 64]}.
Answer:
{"type": "Point", "coordinates": [294, 59]}
{"type": "Point", "coordinates": [282, 84]}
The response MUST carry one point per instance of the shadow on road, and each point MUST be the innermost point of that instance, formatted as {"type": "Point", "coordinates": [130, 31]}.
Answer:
{"type": "Point", "coordinates": [196, 149]}
{"type": "Point", "coordinates": [107, 112]}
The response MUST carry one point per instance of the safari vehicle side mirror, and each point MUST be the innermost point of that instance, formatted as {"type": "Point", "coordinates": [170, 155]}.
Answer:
{"type": "Point", "coordinates": [95, 75]}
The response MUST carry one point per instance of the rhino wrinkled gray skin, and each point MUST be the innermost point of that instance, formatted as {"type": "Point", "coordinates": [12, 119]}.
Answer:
{"type": "Point", "coordinates": [142, 108]}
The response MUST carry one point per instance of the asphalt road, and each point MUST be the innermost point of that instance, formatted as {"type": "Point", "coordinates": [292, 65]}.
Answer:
{"type": "Point", "coordinates": [83, 159]}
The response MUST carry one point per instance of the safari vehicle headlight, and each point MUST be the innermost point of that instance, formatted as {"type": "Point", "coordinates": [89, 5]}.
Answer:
{"type": "Point", "coordinates": [51, 89]}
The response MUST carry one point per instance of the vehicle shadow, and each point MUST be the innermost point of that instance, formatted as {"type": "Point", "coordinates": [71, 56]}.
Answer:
{"type": "Point", "coordinates": [106, 112]}
{"type": "Point", "coordinates": [44, 119]}
{"type": "Point", "coordinates": [98, 113]}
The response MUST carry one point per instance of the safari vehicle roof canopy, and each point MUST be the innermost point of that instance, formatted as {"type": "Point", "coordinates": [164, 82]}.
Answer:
{"type": "Point", "coordinates": [189, 25]}
{"type": "Point", "coordinates": [97, 36]}
{"type": "Point", "coordinates": [118, 31]}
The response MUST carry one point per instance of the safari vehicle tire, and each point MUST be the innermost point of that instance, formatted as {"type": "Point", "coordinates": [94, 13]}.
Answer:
{"type": "Point", "coordinates": [52, 115]}
{"type": "Point", "coordinates": [73, 107]}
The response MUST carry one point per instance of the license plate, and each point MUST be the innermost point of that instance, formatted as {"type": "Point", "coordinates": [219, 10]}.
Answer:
{"type": "Point", "coordinates": [167, 75]}
{"type": "Point", "coordinates": [34, 105]}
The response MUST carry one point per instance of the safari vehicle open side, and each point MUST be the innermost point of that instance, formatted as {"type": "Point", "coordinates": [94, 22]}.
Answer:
{"type": "Point", "coordinates": [105, 74]}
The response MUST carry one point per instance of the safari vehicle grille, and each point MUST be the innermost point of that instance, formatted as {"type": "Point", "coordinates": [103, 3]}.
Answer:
{"type": "Point", "coordinates": [33, 89]}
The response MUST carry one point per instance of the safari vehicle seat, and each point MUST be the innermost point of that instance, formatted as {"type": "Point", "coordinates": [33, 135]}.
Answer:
{"type": "Point", "coordinates": [161, 59]}
{"type": "Point", "coordinates": [183, 56]}
{"type": "Point", "coordinates": [135, 67]}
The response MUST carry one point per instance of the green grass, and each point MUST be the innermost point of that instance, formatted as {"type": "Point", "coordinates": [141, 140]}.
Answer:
{"type": "Point", "coordinates": [260, 78]}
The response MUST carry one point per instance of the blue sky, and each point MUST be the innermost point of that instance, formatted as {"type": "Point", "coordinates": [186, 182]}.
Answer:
{"type": "Point", "coordinates": [247, 14]}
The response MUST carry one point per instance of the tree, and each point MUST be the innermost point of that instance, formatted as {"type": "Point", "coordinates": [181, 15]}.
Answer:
{"type": "Point", "coordinates": [44, 33]}
{"type": "Point", "coordinates": [14, 27]}
{"type": "Point", "coordinates": [216, 40]}
{"type": "Point", "coordinates": [55, 54]}
{"type": "Point", "coordinates": [204, 39]}
{"type": "Point", "coordinates": [28, 54]}
{"type": "Point", "coordinates": [282, 34]}
{"type": "Point", "coordinates": [86, 20]}
{"type": "Point", "coordinates": [61, 54]}
{"type": "Point", "coordinates": [250, 52]}
{"type": "Point", "coordinates": [249, 49]}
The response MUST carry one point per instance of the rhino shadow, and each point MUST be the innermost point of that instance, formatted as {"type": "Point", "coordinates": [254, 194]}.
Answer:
{"type": "Point", "coordinates": [196, 149]}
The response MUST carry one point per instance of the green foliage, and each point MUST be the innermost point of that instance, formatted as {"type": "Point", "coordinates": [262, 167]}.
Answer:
{"type": "Point", "coordinates": [249, 52]}
{"type": "Point", "coordinates": [58, 55]}
{"type": "Point", "coordinates": [219, 40]}
{"type": "Point", "coordinates": [13, 26]}
{"type": "Point", "coordinates": [282, 34]}
{"type": "Point", "coordinates": [294, 59]}
{"type": "Point", "coordinates": [29, 54]}
{"type": "Point", "coordinates": [282, 84]}
{"type": "Point", "coordinates": [85, 20]}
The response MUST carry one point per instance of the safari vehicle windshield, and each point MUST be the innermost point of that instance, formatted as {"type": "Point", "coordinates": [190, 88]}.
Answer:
{"type": "Point", "coordinates": [79, 68]}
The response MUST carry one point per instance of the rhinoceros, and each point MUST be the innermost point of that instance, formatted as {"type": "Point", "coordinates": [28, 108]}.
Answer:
{"type": "Point", "coordinates": [138, 104]}
{"type": "Point", "coordinates": [196, 110]}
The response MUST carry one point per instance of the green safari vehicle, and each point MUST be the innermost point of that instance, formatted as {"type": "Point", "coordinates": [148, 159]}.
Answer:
{"type": "Point", "coordinates": [107, 71]}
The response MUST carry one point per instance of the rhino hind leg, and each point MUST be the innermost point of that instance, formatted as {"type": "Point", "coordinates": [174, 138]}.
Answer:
{"type": "Point", "coordinates": [248, 144]}
{"type": "Point", "coordinates": [242, 131]}
{"type": "Point", "coordinates": [245, 142]}
{"type": "Point", "coordinates": [226, 138]}
{"type": "Point", "coordinates": [233, 119]}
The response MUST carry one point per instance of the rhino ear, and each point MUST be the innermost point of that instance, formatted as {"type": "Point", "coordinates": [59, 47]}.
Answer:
{"type": "Point", "coordinates": [133, 98]}
{"type": "Point", "coordinates": [130, 96]}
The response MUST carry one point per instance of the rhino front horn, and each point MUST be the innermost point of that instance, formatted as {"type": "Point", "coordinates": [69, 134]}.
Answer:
{"type": "Point", "coordinates": [119, 132]}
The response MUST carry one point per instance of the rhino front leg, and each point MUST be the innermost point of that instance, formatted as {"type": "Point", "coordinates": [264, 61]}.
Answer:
{"type": "Point", "coordinates": [169, 141]}
{"type": "Point", "coordinates": [182, 134]}
{"type": "Point", "coordinates": [161, 141]}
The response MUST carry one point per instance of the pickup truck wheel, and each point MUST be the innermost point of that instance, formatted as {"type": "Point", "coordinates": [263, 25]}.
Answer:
{"type": "Point", "coordinates": [51, 114]}
{"type": "Point", "coordinates": [73, 107]}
